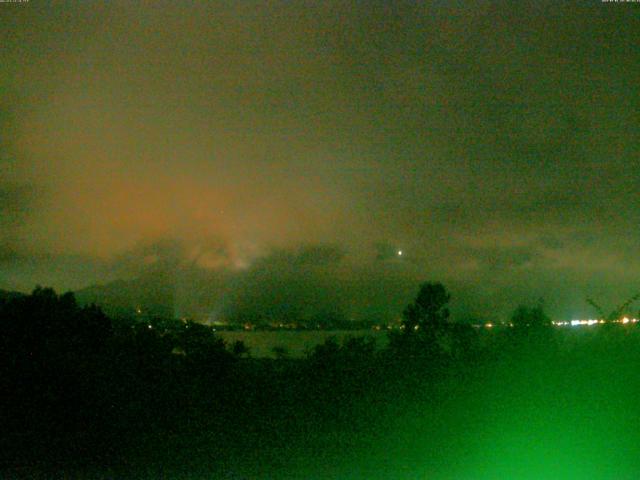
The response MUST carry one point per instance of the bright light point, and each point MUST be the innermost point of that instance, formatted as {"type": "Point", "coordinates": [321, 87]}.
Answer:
{"type": "Point", "coordinates": [625, 320]}
{"type": "Point", "coordinates": [399, 253]}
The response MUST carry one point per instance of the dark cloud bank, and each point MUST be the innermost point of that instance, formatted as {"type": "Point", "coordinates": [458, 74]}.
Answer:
{"type": "Point", "coordinates": [274, 156]}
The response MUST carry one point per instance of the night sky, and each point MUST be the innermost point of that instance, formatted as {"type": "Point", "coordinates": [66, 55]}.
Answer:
{"type": "Point", "coordinates": [276, 144]}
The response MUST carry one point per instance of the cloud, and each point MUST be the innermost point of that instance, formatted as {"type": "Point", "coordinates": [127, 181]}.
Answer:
{"type": "Point", "coordinates": [475, 138]}
{"type": "Point", "coordinates": [15, 204]}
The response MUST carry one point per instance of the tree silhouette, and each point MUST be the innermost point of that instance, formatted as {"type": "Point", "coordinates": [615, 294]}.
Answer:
{"type": "Point", "coordinates": [239, 349]}
{"type": "Point", "coordinates": [424, 323]}
{"type": "Point", "coordinates": [203, 348]}
{"type": "Point", "coordinates": [429, 310]}
{"type": "Point", "coordinates": [281, 352]}
{"type": "Point", "coordinates": [530, 317]}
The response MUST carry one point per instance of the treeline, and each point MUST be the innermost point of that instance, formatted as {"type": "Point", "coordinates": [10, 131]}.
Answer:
{"type": "Point", "coordinates": [86, 393]}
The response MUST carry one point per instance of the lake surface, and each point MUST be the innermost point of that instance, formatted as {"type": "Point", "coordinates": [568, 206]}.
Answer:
{"type": "Point", "coordinates": [296, 342]}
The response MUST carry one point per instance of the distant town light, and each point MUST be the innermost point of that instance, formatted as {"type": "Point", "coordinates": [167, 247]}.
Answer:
{"type": "Point", "coordinates": [399, 253]}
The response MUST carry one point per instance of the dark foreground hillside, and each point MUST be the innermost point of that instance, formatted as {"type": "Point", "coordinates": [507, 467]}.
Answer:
{"type": "Point", "coordinates": [88, 397]}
